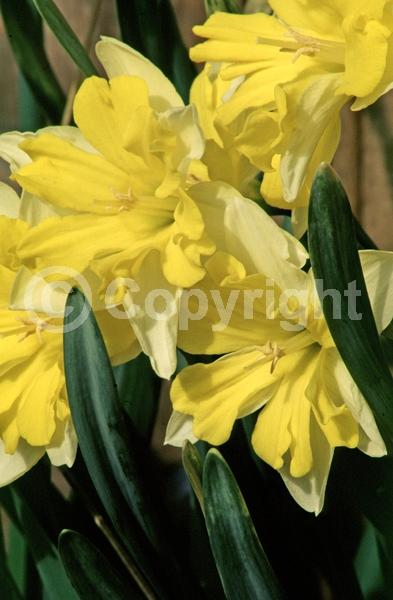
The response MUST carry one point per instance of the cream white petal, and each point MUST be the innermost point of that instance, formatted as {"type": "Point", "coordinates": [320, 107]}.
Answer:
{"type": "Point", "coordinates": [64, 452]}
{"type": "Point", "coordinates": [189, 138]}
{"type": "Point", "coordinates": [9, 202]}
{"type": "Point", "coordinates": [179, 430]}
{"type": "Point", "coordinates": [14, 465]}
{"type": "Point", "coordinates": [250, 234]}
{"type": "Point", "coordinates": [119, 59]}
{"type": "Point", "coordinates": [313, 111]}
{"type": "Point", "coordinates": [10, 151]}
{"type": "Point", "coordinates": [339, 384]}
{"type": "Point", "coordinates": [155, 329]}
{"type": "Point", "coordinates": [378, 272]}
{"type": "Point", "coordinates": [32, 292]}
{"type": "Point", "coordinates": [309, 491]}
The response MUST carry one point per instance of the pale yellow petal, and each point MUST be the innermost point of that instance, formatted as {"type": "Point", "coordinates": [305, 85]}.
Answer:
{"type": "Point", "coordinates": [9, 201]}
{"type": "Point", "coordinates": [378, 272]}
{"type": "Point", "coordinates": [153, 314]}
{"type": "Point", "coordinates": [64, 445]}
{"type": "Point", "coordinates": [309, 490]}
{"type": "Point", "coordinates": [179, 430]}
{"type": "Point", "coordinates": [14, 465]}
{"type": "Point", "coordinates": [119, 59]}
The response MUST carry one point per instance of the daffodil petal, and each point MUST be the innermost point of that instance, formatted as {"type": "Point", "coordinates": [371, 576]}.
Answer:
{"type": "Point", "coordinates": [179, 430]}
{"type": "Point", "coordinates": [153, 313]}
{"type": "Point", "coordinates": [14, 465]}
{"type": "Point", "coordinates": [250, 234]}
{"type": "Point", "coordinates": [378, 273]}
{"type": "Point", "coordinates": [119, 59]}
{"type": "Point", "coordinates": [69, 177]}
{"type": "Point", "coordinates": [217, 394]}
{"type": "Point", "coordinates": [339, 384]}
{"type": "Point", "coordinates": [64, 445]}
{"type": "Point", "coordinates": [9, 201]}
{"type": "Point", "coordinates": [309, 491]}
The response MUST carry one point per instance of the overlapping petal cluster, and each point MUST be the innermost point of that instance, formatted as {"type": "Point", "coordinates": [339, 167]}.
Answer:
{"type": "Point", "coordinates": [287, 77]}
{"type": "Point", "coordinates": [146, 194]}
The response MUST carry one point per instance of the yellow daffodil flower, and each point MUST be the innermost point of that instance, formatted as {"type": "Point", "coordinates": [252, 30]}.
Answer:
{"type": "Point", "coordinates": [299, 67]}
{"type": "Point", "coordinates": [132, 215]}
{"type": "Point", "coordinates": [34, 413]}
{"type": "Point", "coordinates": [282, 365]}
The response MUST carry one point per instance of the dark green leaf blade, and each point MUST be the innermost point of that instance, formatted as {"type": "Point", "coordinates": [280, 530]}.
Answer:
{"type": "Point", "coordinates": [45, 554]}
{"type": "Point", "coordinates": [107, 443]}
{"type": "Point", "coordinates": [139, 390]}
{"type": "Point", "coordinates": [244, 569]}
{"type": "Point", "coordinates": [90, 572]}
{"type": "Point", "coordinates": [335, 262]}
{"type": "Point", "coordinates": [24, 29]}
{"type": "Point", "coordinates": [65, 35]}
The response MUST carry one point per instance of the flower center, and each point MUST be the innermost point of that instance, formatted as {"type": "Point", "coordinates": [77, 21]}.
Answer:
{"type": "Point", "coordinates": [34, 325]}
{"type": "Point", "coordinates": [121, 202]}
{"type": "Point", "coordinates": [273, 352]}
{"type": "Point", "coordinates": [301, 44]}
{"type": "Point", "coordinates": [328, 50]}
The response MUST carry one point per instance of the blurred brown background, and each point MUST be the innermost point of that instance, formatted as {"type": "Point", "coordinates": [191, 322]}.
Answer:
{"type": "Point", "coordinates": [360, 160]}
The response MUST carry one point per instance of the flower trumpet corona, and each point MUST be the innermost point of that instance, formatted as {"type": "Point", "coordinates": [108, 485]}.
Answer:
{"type": "Point", "coordinates": [282, 364]}
{"type": "Point", "coordinates": [294, 71]}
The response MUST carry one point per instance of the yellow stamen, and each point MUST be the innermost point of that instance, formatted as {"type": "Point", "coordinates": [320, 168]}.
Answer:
{"type": "Point", "coordinates": [273, 352]}
{"type": "Point", "coordinates": [34, 325]}
{"type": "Point", "coordinates": [123, 202]}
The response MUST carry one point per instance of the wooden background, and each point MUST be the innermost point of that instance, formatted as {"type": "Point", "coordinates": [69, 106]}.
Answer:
{"type": "Point", "coordinates": [360, 160]}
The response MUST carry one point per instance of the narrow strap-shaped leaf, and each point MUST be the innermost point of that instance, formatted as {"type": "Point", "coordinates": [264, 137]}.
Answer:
{"type": "Point", "coordinates": [90, 572]}
{"type": "Point", "coordinates": [139, 390]}
{"type": "Point", "coordinates": [108, 444]}
{"type": "Point", "coordinates": [24, 29]}
{"type": "Point", "coordinates": [193, 466]}
{"type": "Point", "coordinates": [336, 264]}
{"type": "Point", "coordinates": [17, 556]}
{"type": "Point", "coordinates": [65, 35]}
{"type": "Point", "coordinates": [151, 27]}
{"type": "Point", "coordinates": [244, 569]}
{"type": "Point", "coordinates": [129, 24]}
{"type": "Point", "coordinates": [45, 554]}
{"type": "Point", "coordinates": [7, 584]}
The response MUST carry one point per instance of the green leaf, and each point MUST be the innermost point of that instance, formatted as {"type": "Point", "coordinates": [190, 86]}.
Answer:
{"type": "Point", "coordinates": [335, 262]}
{"type": "Point", "coordinates": [90, 572]}
{"type": "Point", "coordinates": [7, 583]}
{"type": "Point", "coordinates": [8, 587]}
{"type": "Point", "coordinates": [45, 554]}
{"type": "Point", "coordinates": [193, 466]}
{"type": "Point", "coordinates": [244, 569]}
{"type": "Point", "coordinates": [151, 28]}
{"type": "Point", "coordinates": [139, 390]}
{"type": "Point", "coordinates": [108, 444]}
{"type": "Point", "coordinates": [24, 29]}
{"type": "Point", "coordinates": [17, 556]}
{"type": "Point", "coordinates": [229, 6]}
{"type": "Point", "coordinates": [67, 38]}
